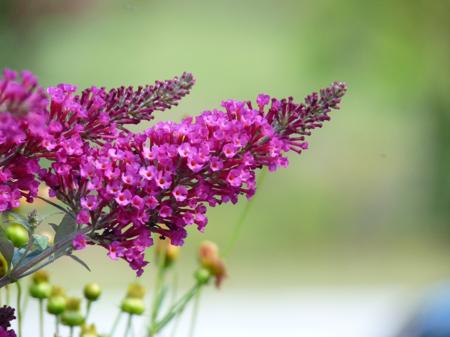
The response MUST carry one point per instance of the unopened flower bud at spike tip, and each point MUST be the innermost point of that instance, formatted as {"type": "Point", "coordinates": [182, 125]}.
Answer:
{"type": "Point", "coordinates": [92, 292]}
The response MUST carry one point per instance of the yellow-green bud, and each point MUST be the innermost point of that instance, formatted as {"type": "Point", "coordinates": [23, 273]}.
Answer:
{"type": "Point", "coordinates": [202, 276]}
{"type": "Point", "coordinates": [92, 292]}
{"type": "Point", "coordinates": [40, 290]}
{"type": "Point", "coordinates": [136, 290]}
{"type": "Point", "coordinates": [41, 276]}
{"type": "Point", "coordinates": [73, 304]}
{"type": "Point", "coordinates": [133, 306]}
{"type": "Point", "coordinates": [88, 331]}
{"type": "Point", "coordinates": [17, 234]}
{"type": "Point", "coordinates": [72, 318]}
{"type": "Point", "coordinates": [56, 305]}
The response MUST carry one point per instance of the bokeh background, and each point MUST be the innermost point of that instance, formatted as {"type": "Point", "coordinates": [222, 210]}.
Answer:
{"type": "Point", "coordinates": [350, 238]}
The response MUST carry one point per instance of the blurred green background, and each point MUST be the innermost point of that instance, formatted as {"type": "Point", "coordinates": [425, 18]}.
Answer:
{"type": "Point", "coordinates": [369, 203]}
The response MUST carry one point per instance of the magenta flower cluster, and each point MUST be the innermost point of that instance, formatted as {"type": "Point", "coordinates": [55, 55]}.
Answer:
{"type": "Point", "coordinates": [126, 187]}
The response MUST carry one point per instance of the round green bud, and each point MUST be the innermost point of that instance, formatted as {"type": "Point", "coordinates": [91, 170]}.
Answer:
{"type": "Point", "coordinates": [202, 276]}
{"type": "Point", "coordinates": [92, 292]}
{"type": "Point", "coordinates": [40, 290]}
{"type": "Point", "coordinates": [133, 306]}
{"type": "Point", "coordinates": [72, 318]}
{"type": "Point", "coordinates": [56, 305]}
{"type": "Point", "coordinates": [17, 234]}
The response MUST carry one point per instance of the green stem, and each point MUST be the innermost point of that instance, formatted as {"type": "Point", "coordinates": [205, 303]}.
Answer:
{"type": "Point", "coordinates": [174, 296]}
{"type": "Point", "coordinates": [19, 308]}
{"type": "Point", "coordinates": [157, 291]}
{"type": "Point", "coordinates": [176, 309]}
{"type": "Point", "coordinates": [57, 325]}
{"type": "Point", "coordinates": [194, 313]}
{"type": "Point", "coordinates": [129, 323]}
{"type": "Point", "coordinates": [88, 310]}
{"type": "Point", "coordinates": [239, 224]}
{"type": "Point", "coordinates": [8, 295]}
{"type": "Point", "coordinates": [71, 331]}
{"type": "Point", "coordinates": [41, 318]}
{"type": "Point", "coordinates": [116, 323]}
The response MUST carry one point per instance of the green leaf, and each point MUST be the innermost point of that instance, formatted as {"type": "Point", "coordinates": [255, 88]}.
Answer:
{"type": "Point", "coordinates": [19, 219]}
{"type": "Point", "coordinates": [80, 261]}
{"type": "Point", "coordinates": [40, 241]}
{"type": "Point", "coordinates": [66, 228]}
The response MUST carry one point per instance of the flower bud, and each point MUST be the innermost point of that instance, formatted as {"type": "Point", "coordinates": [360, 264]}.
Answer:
{"type": "Point", "coordinates": [73, 304]}
{"type": "Point", "coordinates": [210, 260]}
{"type": "Point", "coordinates": [92, 292]}
{"type": "Point", "coordinates": [202, 276]}
{"type": "Point", "coordinates": [72, 315]}
{"type": "Point", "coordinates": [40, 290]}
{"type": "Point", "coordinates": [17, 234]}
{"type": "Point", "coordinates": [57, 291]}
{"type": "Point", "coordinates": [136, 290]}
{"type": "Point", "coordinates": [88, 331]}
{"type": "Point", "coordinates": [133, 306]}
{"type": "Point", "coordinates": [41, 276]}
{"type": "Point", "coordinates": [170, 253]}
{"type": "Point", "coordinates": [56, 305]}
{"type": "Point", "coordinates": [72, 318]}
{"type": "Point", "coordinates": [208, 250]}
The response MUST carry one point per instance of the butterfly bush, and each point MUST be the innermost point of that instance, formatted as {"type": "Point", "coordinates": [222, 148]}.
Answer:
{"type": "Point", "coordinates": [125, 188]}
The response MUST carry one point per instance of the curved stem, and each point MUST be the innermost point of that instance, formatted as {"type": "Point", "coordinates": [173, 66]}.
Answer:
{"type": "Point", "coordinates": [239, 224]}
{"type": "Point", "coordinates": [157, 291]}
{"type": "Point", "coordinates": [175, 310]}
{"type": "Point", "coordinates": [19, 308]}
{"type": "Point", "coordinates": [194, 314]}
{"type": "Point", "coordinates": [116, 323]}
{"type": "Point", "coordinates": [129, 322]}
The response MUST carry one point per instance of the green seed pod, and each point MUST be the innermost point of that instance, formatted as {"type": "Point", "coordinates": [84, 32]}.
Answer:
{"type": "Point", "coordinates": [133, 306]}
{"type": "Point", "coordinates": [17, 234]}
{"type": "Point", "coordinates": [40, 290]}
{"type": "Point", "coordinates": [56, 305]}
{"type": "Point", "coordinates": [202, 276]}
{"type": "Point", "coordinates": [92, 292]}
{"type": "Point", "coordinates": [72, 318]}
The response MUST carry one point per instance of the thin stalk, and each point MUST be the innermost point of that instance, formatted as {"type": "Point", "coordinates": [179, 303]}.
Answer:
{"type": "Point", "coordinates": [129, 324]}
{"type": "Point", "coordinates": [71, 331]}
{"type": "Point", "coordinates": [194, 316]}
{"type": "Point", "coordinates": [174, 296]}
{"type": "Point", "coordinates": [176, 309]}
{"type": "Point", "coordinates": [116, 323]}
{"type": "Point", "coordinates": [41, 318]}
{"type": "Point", "coordinates": [8, 295]}
{"type": "Point", "coordinates": [88, 310]}
{"type": "Point", "coordinates": [239, 224]}
{"type": "Point", "coordinates": [57, 321]}
{"type": "Point", "coordinates": [19, 308]}
{"type": "Point", "coordinates": [156, 294]}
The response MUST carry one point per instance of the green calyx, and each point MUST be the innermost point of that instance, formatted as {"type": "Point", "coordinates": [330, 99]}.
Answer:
{"type": "Point", "coordinates": [56, 305]}
{"type": "Point", "coordinates": [133, 306]}
{"type": "Point", "coordinates": [40, 290]}
{"type": "Point", "coordinates": [72, 318]}
{"type": "Point", "coordinates": [202, 276]}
